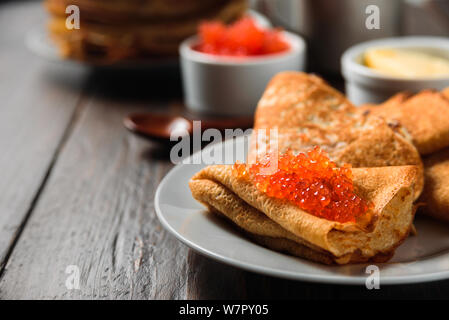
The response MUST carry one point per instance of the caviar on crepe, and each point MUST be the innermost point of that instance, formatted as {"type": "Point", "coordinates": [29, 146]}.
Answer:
{"type": "Point", "coordinates": [311, 181]}
{"type": "Point", "coordinates": [242, 38]}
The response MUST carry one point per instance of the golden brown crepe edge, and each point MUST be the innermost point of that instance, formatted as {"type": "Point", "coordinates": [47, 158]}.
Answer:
{"type": "Point", "coordinates": [435, 197]}
{"type": "Point", "coordinates": [420, 115]}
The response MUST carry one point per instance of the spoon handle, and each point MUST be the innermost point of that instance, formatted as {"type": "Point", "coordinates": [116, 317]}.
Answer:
{"type": "Point", "coordinates": [228, 123]}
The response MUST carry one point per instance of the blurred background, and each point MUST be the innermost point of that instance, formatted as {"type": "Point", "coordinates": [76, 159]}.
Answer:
{"type": "Point", "coordinates": [123, 30]}
{"type": "Point", "coordinates": [120, 43]}
{"type": "Point", "coordinates": [330, 27]}
{"type": "Point", "coordinates": [128, 51]}
{"type": "Point", "coordinates": [135, 36]}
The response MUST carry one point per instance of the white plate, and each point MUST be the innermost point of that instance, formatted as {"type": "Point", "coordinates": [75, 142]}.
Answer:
{"type": "Point", "coordinates": [421, 258]}
{"type": "Point", "coordinates": [38, 41]}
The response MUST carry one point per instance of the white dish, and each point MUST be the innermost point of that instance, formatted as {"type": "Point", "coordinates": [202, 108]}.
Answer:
{"type": "Point", "coordinates": [363, 85]}
{"type": "Point", "coordinates": [229, 86]}
{"type": "Point", "coordinates": [421, 258]}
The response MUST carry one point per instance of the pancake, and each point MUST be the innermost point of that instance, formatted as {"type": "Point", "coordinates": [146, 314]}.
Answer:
{"type": "Point", "coordinates": [445, 92]}
{"type": "Point", "coordinates": [106, 43]}
{"type": "Point", "coordinates": [307, 112]}
{"type": "Point", "coordinates": [283, 226]}
{"type": "Point", "coordinates": [119, 11]}
{"type": "Point", "coordinates": [392, 102]}
{"type": "Point", "coordinates": [424, 115]}
{"type": "Point", "coordinates": [436, 192]}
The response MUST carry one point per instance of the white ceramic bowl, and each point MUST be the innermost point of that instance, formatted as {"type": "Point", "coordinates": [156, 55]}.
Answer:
{"type": "Point", "coordinates": [232, 86]}
{"type": "Point", "coordinates": [363, 85]}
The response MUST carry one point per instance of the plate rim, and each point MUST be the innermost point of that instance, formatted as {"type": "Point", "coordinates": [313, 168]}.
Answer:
{"type": "Point", "coordinates": [297, 276]}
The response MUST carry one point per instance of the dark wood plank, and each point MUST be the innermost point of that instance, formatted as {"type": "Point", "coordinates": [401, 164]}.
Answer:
{"type": "Point", "coordinates": [209, 279]}
{"type": "Point", "coordinates": [35, 109]}
{"type": "Point", "coordinates": [97, 212]}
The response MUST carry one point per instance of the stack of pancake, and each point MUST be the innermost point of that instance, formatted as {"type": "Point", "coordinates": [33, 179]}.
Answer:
{"type": "Point", "coordinates": [116, 30]}
{"type": "Point", "coordinates": [305, 112]}
{"type": "Point", "coordinates": [425, 116]}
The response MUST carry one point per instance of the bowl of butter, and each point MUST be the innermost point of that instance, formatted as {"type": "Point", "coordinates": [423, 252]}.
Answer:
{"type": "Point", "coordinates": [376, 70]}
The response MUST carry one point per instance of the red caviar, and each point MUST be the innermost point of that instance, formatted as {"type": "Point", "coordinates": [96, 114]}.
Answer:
{"type": "Point", "coordinates": [242, 38]}
{"type": "Point", "coordinates": [311, 181]}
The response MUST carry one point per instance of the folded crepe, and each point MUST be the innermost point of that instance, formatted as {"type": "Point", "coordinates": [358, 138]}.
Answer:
{"type": "Point", "coordinates": [425, 116]}
{"type": "Point", "coordinates": [445, 92]}
{"type": "Point", "coordinates": [283, 226]}
{"type": "Point", "coordinates": [435, 196]}
{"type": "Point", "coordinates": [307, 112]}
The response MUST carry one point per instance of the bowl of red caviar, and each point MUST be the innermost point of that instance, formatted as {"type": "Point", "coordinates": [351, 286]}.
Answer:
{"type": "Point", "coordinates": [225, 68]}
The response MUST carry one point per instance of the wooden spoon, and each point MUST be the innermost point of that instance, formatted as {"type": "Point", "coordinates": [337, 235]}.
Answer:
{"type": "Point", "coordinates": [160, 126]}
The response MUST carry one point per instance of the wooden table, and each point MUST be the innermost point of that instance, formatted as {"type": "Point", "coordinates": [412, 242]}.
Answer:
{"type": "Point", "coordinates": [77, 189]}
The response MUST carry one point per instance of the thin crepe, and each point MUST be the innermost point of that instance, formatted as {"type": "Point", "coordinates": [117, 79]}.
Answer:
{"type": "Point", "coordinates": [424, 115]}
{"type": "Point", "coordinates": [435, 196]}
{"type": "Point", "coordinates": [283, 226]}
{"type": "Point", "coordinates": [307, 112]}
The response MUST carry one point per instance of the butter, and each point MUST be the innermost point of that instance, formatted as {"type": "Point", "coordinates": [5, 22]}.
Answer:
{"type": "Point", "coordinates": [406, 63]}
